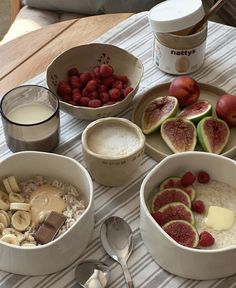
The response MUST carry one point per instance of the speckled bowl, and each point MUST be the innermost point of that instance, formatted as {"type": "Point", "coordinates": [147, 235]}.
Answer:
{"type": "Point", "coordinates": [177, 259]}
{"type": "Point", "coordinates": [85, 58]}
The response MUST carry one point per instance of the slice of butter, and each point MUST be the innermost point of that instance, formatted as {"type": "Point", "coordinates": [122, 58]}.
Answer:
{"type": "Point", "coordinates": [219, 218]}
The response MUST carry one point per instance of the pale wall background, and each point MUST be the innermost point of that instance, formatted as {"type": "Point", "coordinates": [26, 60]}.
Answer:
{"type": "Point", "coordinates": [4, 17]}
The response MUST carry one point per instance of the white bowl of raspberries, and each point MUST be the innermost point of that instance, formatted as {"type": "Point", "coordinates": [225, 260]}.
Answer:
{"type": "Point", "coordinates": [95, 80]}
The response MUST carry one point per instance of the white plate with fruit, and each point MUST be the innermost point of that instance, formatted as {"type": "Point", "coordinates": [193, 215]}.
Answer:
{"type": "Point", "coordinates": [187, 120]}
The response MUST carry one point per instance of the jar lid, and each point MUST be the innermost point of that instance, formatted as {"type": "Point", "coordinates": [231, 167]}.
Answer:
{"type": "Point", "coordinates": [175, 15]}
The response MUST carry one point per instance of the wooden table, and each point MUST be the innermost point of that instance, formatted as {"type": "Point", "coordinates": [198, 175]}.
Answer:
{"type": "Point", "coordinates": [23, 58]}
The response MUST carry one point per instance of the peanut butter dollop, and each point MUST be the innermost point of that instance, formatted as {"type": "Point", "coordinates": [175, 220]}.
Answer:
{"type": "Point", "coordinates": [43, 200]}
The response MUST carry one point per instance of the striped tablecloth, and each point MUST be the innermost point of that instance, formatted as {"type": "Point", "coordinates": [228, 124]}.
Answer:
{"type": "Point", "coordinates": [134, 35]}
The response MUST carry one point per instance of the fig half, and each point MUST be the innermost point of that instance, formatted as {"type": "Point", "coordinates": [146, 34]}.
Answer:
{"type": "Point", "coordinates": [179, 134]}
{"type": "Point", "coordinates": [213, 134]}
{"type": "Point", "coordinates": [157, 111]}
{"type": "Point", "coordinates": [182, 232]}
{"type": "Point", "coordinates": [197, 111]}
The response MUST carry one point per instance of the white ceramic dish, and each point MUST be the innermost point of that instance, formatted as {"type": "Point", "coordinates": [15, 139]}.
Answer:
{"type": "Point", "coordinates": [64, 250]}
{"type": "Point", "coordinates": [112, 169]}
{"type": "Point", "coordinates": [85, 58]}
{"type": "Point", "coordinates": [155, 146]}
{"type": "Point", "coordinates": [177, 259]}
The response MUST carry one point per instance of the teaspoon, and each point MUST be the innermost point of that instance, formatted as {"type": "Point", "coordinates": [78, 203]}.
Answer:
{"type": "Point", "coordinates": [92, 274]}
{"type": "Point", "coordinates": [116, 238]}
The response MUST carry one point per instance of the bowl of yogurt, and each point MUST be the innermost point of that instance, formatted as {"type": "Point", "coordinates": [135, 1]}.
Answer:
{"type": "Point", "coordinates": [112, 149]}
{"type": "Point", "coordinates": [219, 217]}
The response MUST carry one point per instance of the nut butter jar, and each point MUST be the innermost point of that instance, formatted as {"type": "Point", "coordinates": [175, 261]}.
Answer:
{"type": "Point", "coordinates": [174, 51]}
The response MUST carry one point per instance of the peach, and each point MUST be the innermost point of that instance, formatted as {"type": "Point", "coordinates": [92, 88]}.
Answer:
{"type": "Point", "coordinates": [185, 89]}
{"type": "Point", "coordinates": [226, 109]}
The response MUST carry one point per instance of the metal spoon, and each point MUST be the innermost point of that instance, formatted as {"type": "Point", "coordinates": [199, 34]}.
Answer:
{"type": "Point", "coordinates": [116, 237]}
{"type": "Point", "coordinates": [92, 274]}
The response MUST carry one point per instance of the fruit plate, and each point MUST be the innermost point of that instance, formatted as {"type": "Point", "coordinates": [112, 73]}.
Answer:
{"type": "Point", "coordinates": [155, 146]}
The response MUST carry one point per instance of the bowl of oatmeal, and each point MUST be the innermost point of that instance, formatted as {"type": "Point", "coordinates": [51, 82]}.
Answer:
{"type": "Point", "coordinates": [46, 212]}
{"type": "Point", "coordinates": [188, 215]}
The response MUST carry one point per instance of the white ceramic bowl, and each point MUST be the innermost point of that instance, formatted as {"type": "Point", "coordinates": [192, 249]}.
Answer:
{"type": "Point", "coordinates": [112, 149]}
{"type": "Point", "coordinates": [64, 250]}
{"type": "Point", "coordinates": [177, 259]}
{"type": "Point", "coordinates": [85, 58]}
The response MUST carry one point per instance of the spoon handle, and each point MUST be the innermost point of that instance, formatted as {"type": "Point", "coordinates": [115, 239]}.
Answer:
{"type": "Point", "coordinates": [128, 279]}
{"type": "Point", "coordinates": [212, 11]}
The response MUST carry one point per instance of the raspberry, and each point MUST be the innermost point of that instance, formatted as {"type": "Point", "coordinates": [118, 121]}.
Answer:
{"type": "Point", "coordinates": [108, 82]}
{"type": "Point", "coordinates": [95, 103]}
{"type": "Point", "coordinates": [203, 177]}
{"type": "Point", "coordinates": [93, 95]}
{"type": "Point", "coordinates": [67, 98]}
{"type": "Point", "coordinates": [84, 101]}
{"type": "Point", "coordinates": [127, 91]}
{"type": "Point", "coordinates": [117, 84]}
{"type": "Point", "coordinates": [85, 92]}
{"type": "Point", "coordinates": [73, 72]}
{"type": "Point", "coordinates": [63, 88]}
{"type": "Point", "coordinates": [102, 88]}
{"type": "Point", "coordinates": [76, 97]}
{"type": "Point", "coordinates": [206, 239]}
{"type": "Point", "coordinates": [158, 217]}
{"type": "Point", "coordinates": [115, 94]}
{"type": "Point", "coordinates": [198, 206]}
{"type": "Point", "coordinates": [187, 179]}
{"type": "Point", "coordinates": [85, 77]}
{"type": "Point", "coordinates": [123, 79]}
{"type": "Point", "coordinates": [106, 70]}
{"type": "Point", "coordinates": [104, 96]}
{"type": "Point", "coordinates": [96, 71]}
{"type": "Point", "coordinates": [75, 82]}
{"type": "Point", "coordinates": [111, 102]}
{"type": "Point", "coordinates": [91, 86]}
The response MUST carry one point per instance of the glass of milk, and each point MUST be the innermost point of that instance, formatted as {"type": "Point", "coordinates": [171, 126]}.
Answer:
{"type": "Point", "coordinates": [30, 117]}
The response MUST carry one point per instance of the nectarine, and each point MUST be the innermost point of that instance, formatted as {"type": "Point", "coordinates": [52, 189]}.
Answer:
{"type": "Point", "coordinates": [185, 89]}
{"type": "Point", "coordinates": [226, 109]}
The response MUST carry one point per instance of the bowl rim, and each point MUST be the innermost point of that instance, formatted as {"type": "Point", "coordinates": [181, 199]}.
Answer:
{"type": "Point", "coordinates": [123, 122]}
{"type": "Point", "coordinates": [88, 208]}
{"type": "Point", "coordinates": [98, 109]}
{"type": "Point", "coordinates": [147, 212]}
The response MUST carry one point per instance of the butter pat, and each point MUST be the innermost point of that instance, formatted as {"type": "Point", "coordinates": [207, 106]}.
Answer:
{"type": "Point", "coordinates": [219, 218]}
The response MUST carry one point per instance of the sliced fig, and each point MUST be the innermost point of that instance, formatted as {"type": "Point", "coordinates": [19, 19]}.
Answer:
{"type": "Point", "coordinates": [213, 134]}
{"type": "Point", "coordinates": [175, 211]}
{"type": "Point", "coordinates": [174, 182]}
{"type": "Point", "coordinates": [182, 232]}
{"type": "Point", "coordinates": [169, 195]}
{"type": "Point", "coordinates": [197, 111]}
{"type": "Point", "coordinates": [179, 134]}
{"type": "Point", "coordinates": [157, 111]}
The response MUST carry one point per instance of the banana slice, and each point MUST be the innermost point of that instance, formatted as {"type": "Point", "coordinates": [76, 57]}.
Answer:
{"type": "Point", "coordinates": [16, 197]}
{"type": "Point", "coordinates": [27, 244]}
{"type": "Point", "coordinates": [20, 220]}
{"type": "Point", "coordinates": [4, 220]}
{"type": "Point", "coordinates": [20, 206]}
{"type": "Point", "coordinates": [7, 217]}
{"type": "Point", "coordinates": [4, 201]}
{"type": "Point", "coordinates": [12, 231]}
{"type": "Point", "coordinates": [13, 184]}
{"type": "Point", "coordinates": [7, 185]}
{"type": "Point", "coordinates": [10, 239]}
{"type": "Point", "coordinates": [2, 227]}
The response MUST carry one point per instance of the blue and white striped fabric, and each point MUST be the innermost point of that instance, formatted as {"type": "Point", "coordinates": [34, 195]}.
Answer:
{"type": "Point", "coordinates": [134, 35]}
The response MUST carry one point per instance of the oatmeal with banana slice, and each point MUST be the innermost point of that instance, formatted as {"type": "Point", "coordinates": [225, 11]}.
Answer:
{"type": "Point", "coordinates": [37, 210]}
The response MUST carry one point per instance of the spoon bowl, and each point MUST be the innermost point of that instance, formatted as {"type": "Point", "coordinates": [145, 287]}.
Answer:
{"type": "Point", "coordinates": [116, 238]}
{"type": "Point", "coordinates": [92, 274]}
